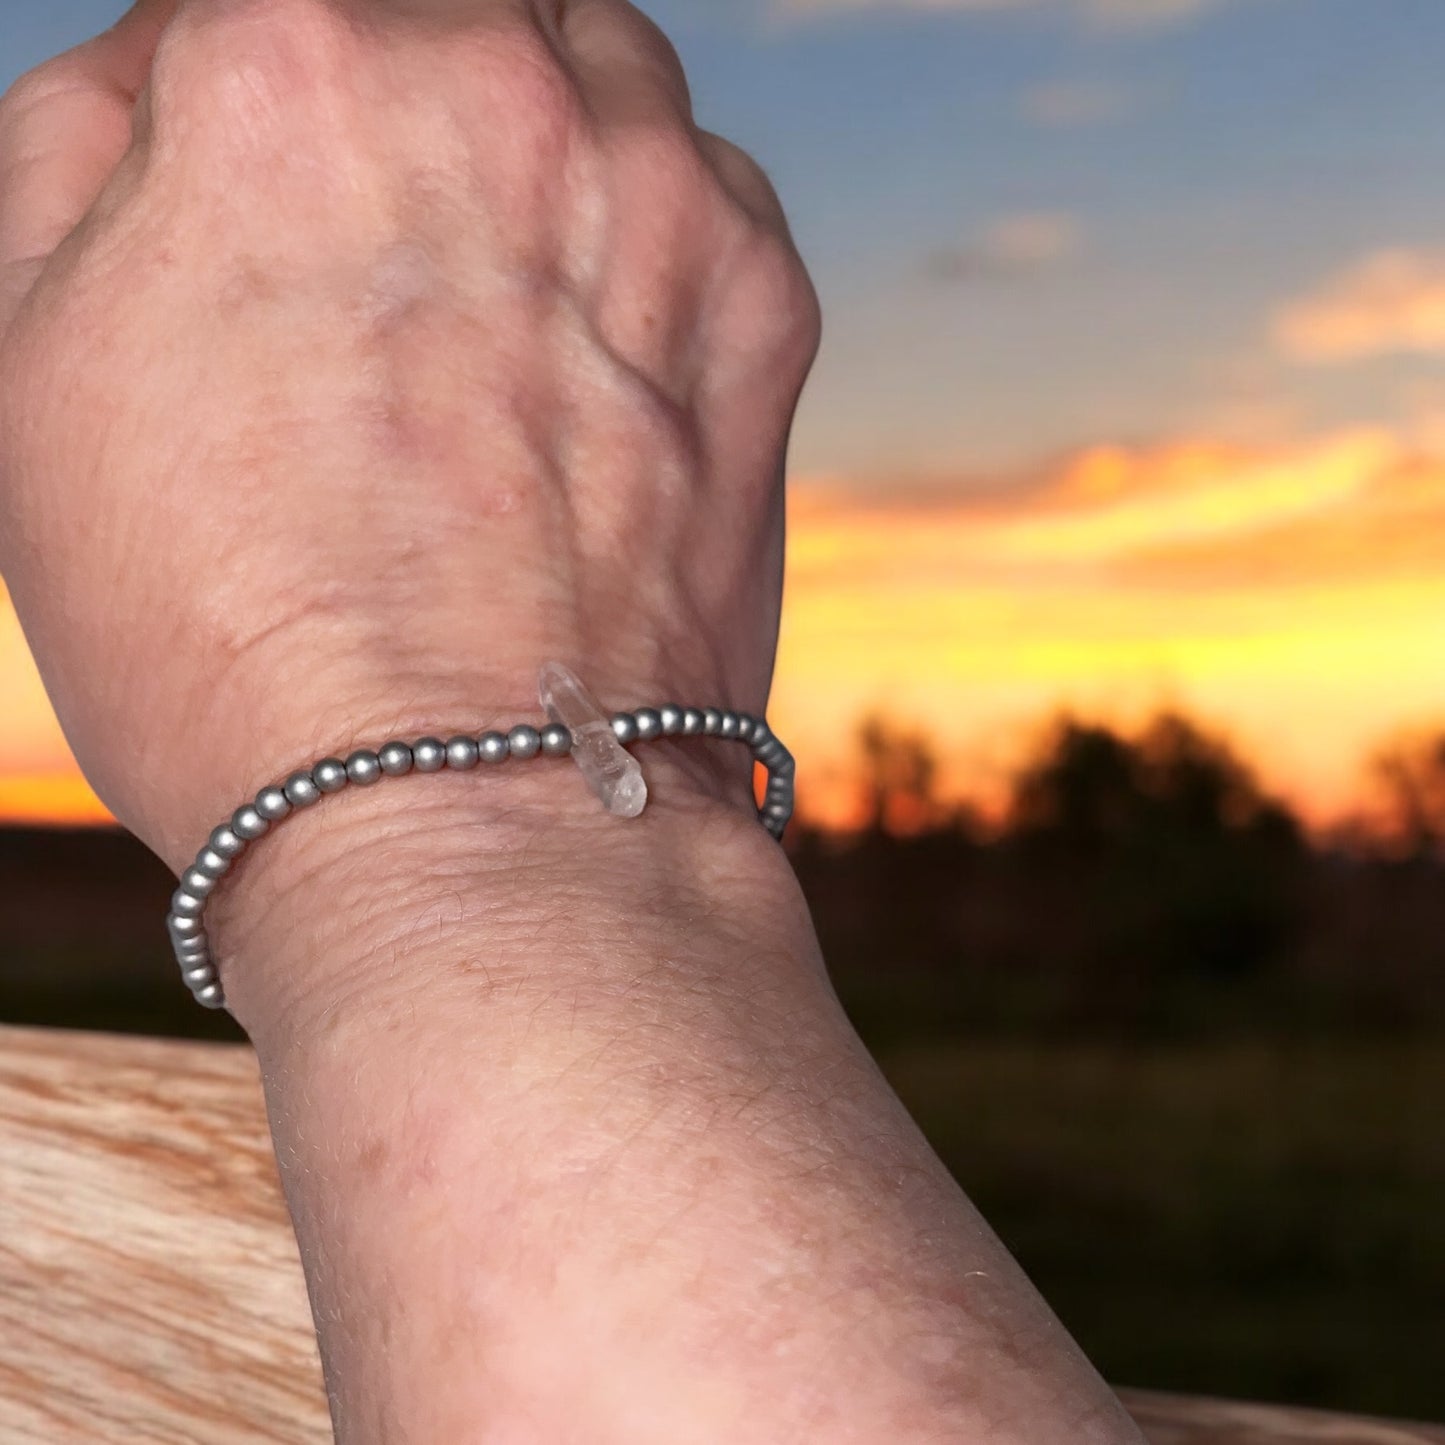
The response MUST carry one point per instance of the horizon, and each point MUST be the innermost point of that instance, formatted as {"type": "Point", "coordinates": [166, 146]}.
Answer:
{"type": "Point", "coordinates": [1129, 399]}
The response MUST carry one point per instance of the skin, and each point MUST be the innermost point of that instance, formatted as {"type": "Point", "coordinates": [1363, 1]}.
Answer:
{"type": "Point", "coordinates": [356, 358]}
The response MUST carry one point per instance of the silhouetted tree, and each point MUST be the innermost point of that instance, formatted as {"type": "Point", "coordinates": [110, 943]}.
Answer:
{"type": "Point", "coordinates": [1412, 776]}
{"type": "Point", "coordinates": [900, 775]}
{"type": "Point", "coordinates": [1155, 855]}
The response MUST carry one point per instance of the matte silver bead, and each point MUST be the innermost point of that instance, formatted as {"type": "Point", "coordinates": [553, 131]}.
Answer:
{"type": "Point", "coordinates": [363, 767]}
{"type": "Point", "coordinates": [624, 726]}
{"type": "Point", "coordinates": [201, 976]}
{"type": "Point", "coordinates": [556, 740]}
{"type": "Point", "coordinates": [273, 804]}
{"type": "Point", "coordinates": [187, 905]}
{"type": "Point", "coordinates": [301, 790]}
{"type": "Point", "coordinates": [525, 742]}
{"type": "Point", "coordinates": [670, 716]}
{"type": "Point", "coordinates": [395, 759]}
{"type": "Point", "coordinates": [429, 755]}
{"type": "Point", "coordinates": [494, 747]}
{"type": "Point", "coordinates": [198, 883]}
{"type": "Point", "coordinates": [692, 722]}
{"type": "Point", "coordinates": [463, 754]}
{"type": "Point", "coordinates": [711, 721]}
{"type": "Point", "coordinates": [249, 824]}
{"type": "Point", "coordinates": [330, 775]}
{"type": "Point", "coordinates": [211, 997]}
{"type": "Point", "coordinates": [728, 726]}
{"type": "Point", "coordinates": [211, 863]}
{"type": "Point", "coordinates": [649, 724]}
{"type": "Point", "coordinates": [226, 842]}
{"type": "Point", "coordinates": [184, 927]}
{"type": "Point", "coordinates": [770, 752]}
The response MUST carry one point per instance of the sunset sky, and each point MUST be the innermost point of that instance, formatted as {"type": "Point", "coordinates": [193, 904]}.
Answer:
{"type": "Point", "coordinates": [1132, 389]}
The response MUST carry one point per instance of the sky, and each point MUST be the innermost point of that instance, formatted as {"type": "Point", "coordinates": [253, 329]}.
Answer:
{"type": "Point", "coordinates": [1131, 392]}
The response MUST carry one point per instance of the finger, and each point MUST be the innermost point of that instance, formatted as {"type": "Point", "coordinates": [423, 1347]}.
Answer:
{"type": "Point", "coordinates": [744, 179]}
{"type": "Point", "coordinates": [65, 126]}
{"type": "Point", "coordinates": [624, 64]}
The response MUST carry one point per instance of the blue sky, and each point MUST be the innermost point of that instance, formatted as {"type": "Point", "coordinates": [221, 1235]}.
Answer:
{"type": "Point", "coordinates": [1131, 392]}
{"type": "Point", "coordinates": [1038, 228]}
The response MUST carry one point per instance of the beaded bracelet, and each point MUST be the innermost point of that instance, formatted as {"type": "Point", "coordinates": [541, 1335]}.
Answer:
{"type": "Point", "coordinates": [462, 754]}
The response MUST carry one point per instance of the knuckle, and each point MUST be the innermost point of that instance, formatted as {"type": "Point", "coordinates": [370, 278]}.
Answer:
{"type": "Point", "coordinates": [517, 81]}
{"type": "Point", "coordinates": [773, 297]}
{"type": "Point", "coordinates": [31, 91]}
{"type": "Point", "coordinates": [671, 164]}
{"type": "Point", "coordinates": [244, 63]}
{"type": "Point", "coordinates": [743, 176]}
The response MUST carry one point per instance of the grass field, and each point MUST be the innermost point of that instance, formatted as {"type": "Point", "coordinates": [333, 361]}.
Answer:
{"type": "Point", "coordinates": [1258, 1220]}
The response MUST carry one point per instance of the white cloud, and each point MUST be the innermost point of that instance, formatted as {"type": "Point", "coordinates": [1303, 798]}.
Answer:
{"type": "Point", "coordinates": [1010, 247]}
{"type": "Point", "coordinates": [1390, 303]}
{"type": "Point", "coordinates": [1070, 104]}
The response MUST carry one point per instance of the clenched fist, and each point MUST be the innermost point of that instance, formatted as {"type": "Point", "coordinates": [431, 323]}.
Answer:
{"type": "Point", "coordinates": [357, 357]}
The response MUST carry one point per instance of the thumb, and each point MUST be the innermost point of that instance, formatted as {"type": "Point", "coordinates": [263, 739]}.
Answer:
{"type": "Point", "coordinates": [63, 129]}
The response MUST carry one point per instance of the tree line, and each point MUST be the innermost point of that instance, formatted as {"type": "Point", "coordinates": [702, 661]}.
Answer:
{"type": "Point", "coordinates": [1132, 882]}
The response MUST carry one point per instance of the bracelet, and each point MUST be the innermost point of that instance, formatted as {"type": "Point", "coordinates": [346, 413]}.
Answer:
{"type": "Point", "coordinates": [588, 740]}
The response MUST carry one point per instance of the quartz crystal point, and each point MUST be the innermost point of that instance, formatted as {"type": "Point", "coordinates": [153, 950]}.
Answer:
{"type": "Point", "coordinates": [611, 771]}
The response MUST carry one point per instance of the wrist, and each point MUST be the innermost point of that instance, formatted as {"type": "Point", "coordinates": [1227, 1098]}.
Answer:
{"type": "Point", "coordinates": [457, 885]}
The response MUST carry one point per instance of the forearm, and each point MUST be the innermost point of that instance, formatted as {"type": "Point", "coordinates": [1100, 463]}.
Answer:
{"type": "Point", "coordinates": [580, 1146]}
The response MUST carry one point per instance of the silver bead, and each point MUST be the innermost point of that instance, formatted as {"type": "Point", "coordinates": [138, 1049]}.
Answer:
{"type": "Point", "coordinates": [330, 775]}
{"type": "Point", "coordinates": [711, 721]}
{"type": "Point", "coordinates": [273, 804]}
{"type": "Point", "coordinates": [211, 997]}
{"type": "Point", "coordinates": [429, 755]}
{"type": "Point", "coordinates": [395, 759]}
{"type": "Point", "coordinates": [770, 752]}
{"type": "Point", "coordinates": [249, 824]}
{"type": "Point", "coordinates": [201, 976]}
{"type": "Point", "coordinates": [187, 905]}
{"type": "Point", "coordinates": [463, 754]}
{"type": "Point", "coordinates": [670, 716]}
{"type": "Point", "coordinates": [494, 747]}
{"type": "Point", "coordinates": [728, 726]}
{"type": "Point", "coordinates": [692, 722]}
{"type": "Point", "coordinates": [624, 726]}
{"type": "Point", "coordinates": [777, 811]}
{"type": "Point", "coordinates": [194, 957]}
{"type": "Point", "coordinates": [649, 724]}
{"type": "Point", "coordinates": [363, 767]}
{"type": "Point", "coordinates": [556, 741]}
{"type": "Point", "coordinates": [227, 843]}
{"type": "Point", "coordinates": [301, 790]}
{"type": "Point", "coordinates": [198, 883]}
{"type": "Point", "coordinates": [211, 863]}
{"type": "Point", "coordinates": [525, 742]}
{"type": "Point", "coordinates": [186, 927]}
{"type": "Point", "coordinates": [746, 723]}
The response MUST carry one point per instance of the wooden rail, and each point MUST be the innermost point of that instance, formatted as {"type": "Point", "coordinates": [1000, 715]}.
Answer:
{"type": "Point", "coordinates": [149, 1285]}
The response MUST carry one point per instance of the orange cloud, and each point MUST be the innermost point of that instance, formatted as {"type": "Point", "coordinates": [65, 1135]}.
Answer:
{"type": "Point", "coordinates": [1391, 303]}
{"type": "Point", "coordinates": [1295, 597]}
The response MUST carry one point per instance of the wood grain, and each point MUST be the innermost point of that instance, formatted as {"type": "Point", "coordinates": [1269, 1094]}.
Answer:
{"type": "Point", "coordinates": [150, 1290]}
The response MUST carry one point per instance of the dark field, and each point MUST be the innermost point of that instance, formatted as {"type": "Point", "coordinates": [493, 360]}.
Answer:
{"type": "Point", "coordinates": [1189, 1062]}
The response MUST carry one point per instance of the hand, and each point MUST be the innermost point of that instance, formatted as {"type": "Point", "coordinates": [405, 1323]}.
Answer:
{"type": "Point", "coordinates": [358, 358]}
